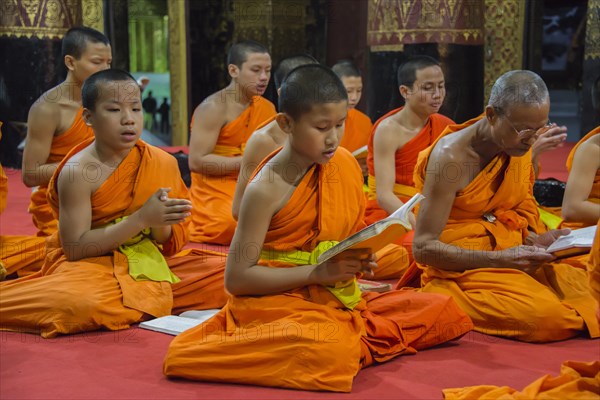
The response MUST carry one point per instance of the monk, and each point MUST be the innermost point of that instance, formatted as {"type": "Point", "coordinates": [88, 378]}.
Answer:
{"type": "Point", "coordinates": [392, 260]}
{"type": "Point", "coordinates": [358, 125]}
{"type": "Point", "coordinates": [55, 124]}
{"type": "Point", "coordinates": [581, 203]}
{"type": "Point", "coordinates": [399, 136]}
{"type": "Point", "coordinates": [291, 322]}
{"type": "Point", "coordinates": [479, 238]}
{"type": "Point", "coordinates": [221, 126]}
{"type": "Point", "coordinates": [122, 207]}
{"type": "Point", "coordinates": [268, 137]}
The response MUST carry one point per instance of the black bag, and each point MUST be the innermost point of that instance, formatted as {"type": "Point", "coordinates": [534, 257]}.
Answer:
{"type": "Point", "coordinates": [549, 192]}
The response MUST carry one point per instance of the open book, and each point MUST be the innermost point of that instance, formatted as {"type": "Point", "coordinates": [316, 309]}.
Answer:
{"type": "Point", "coordinates": [378, 234]}
{"type": "Point", "coordinates": [579, 241]}
{"type": "Point", "coordinates": [373, 286]}
{"type": "Point", "coordinates": [175, 324]}
{"type": "Point", "coordinates": [361, 152]}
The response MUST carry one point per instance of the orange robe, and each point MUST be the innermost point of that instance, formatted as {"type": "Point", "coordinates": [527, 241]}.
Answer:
{"type": "Point", "coordinates": [40, 210]}
{"type": "Point", "coordinates": [212, 195]}
{"type": "Point", "coordinates": [577, 380]}
{"type": "Point", "coordinates": [595, 192]}
{"type": "Point", "coordinates": [356, 130]}
{"type": "Point", "coordinates": [21, 254]}
{"type": "Point", "coordinates": [553, 303]}
{"type": "Point", "coordinates": [93, 293]}
{"type": "Point", "coordinates": [305, 338]}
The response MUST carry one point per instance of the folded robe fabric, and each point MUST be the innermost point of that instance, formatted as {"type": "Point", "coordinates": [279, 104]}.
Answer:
{"type": "Point", "coordinates": [306, 338]}
{"type": "Point", "coordinates": [212, 195]}
{"type": "Point", "coordinates": [357, 129]}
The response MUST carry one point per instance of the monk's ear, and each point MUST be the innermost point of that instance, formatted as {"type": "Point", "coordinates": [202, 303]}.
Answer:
{"type": "Point", "coordinates": [285, 122]}
{"type": "Point", "coordinates": [233, 70]}
{"type": "Point", "coordinates": [491, 114]}
{"type": "Point", "coordinates": [403, 91]}
{"type": "Point", "coordinates": [70, 62]}
{"type": "Point", "coordinates": [87, 116]}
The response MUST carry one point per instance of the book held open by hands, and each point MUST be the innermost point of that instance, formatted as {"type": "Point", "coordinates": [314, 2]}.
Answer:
{"type": "Point", "coordinates": [579, 241]}
{"type": "Point", "coordinates": [378, 234]}
{"type": "Point", "coordinates": [361, 152]}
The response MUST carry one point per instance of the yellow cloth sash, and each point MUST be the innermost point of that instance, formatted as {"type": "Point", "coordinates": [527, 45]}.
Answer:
{"type": "Point", "coordinates": [146, 262]}
{"type": "Point", "coordinates": [399, 189]}
{"type": "Point", "coordinates": [550, 220]}
{"type": "Point", "coordinates": [229, 151]}
{"type": "Point", "coordinates": [346, 292]}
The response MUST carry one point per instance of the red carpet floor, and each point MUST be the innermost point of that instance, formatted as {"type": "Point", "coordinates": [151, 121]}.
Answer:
{"type": "Point", "coordinates": [128, 364]}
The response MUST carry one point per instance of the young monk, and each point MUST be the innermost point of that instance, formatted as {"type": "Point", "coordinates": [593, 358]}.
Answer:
{"type": "Point", "coordinates": [122, 207]}
{"type": "Point", "coordinates": [399, 136]}
{"type": "Point", "coordinates": [392, 260]}
{"type": "Point", "coordinates": [221, 126]}
{"type": "Point", "coordinates": [268, 137]}
{"type": "Point", "coordinates": [358, 126]}
{"type": "Point", "coordinates": [55, 123]}
{"type": "Point", "coordinates": [291, 322]}
{"type": "Point", "coordinates": [479, 237]}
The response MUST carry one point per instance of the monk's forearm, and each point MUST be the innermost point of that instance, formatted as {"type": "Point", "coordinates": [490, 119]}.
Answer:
{"type": "Point", "coordinates": [161, 233]}
{"type": "Point", "coordinates": [389, 202]}
{"type": "Point", "coordinates": [585, 211]}
{"type": "Point", "coordinates": [259, 280]}
{"type": "Point", "coordinates": [453, 258]}
{"type": "Point", "coordinates": [101, 241]}
{"type": "Point", "coordinates": [215, 165]}
{"type": "Point", "coordinates": [39, 175]}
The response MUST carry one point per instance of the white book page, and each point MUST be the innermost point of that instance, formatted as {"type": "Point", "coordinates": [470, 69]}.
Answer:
{"type": "Point", "coordinates": [583, 237]}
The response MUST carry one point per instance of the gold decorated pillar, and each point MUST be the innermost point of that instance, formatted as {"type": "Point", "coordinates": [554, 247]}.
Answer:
{"type": "Point", "coordinates": [178, 61]}
{"type": "Point", "coordinates": [591, 69]}
{"type": "Point", "coordinates": [504, 31]}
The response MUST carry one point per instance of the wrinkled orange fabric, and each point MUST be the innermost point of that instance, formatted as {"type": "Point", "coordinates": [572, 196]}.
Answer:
{"type": "Point", "coordinates": [40, 210]}
{"type": "Point", "coordinates": [553, 303]}
{"type": "Point", "coordinates": [305, 338]}
{"type": "Point", "coordinates": [18, 253]}
{"type": "Point", "coordinates": [595, 192]}
{"type": "Point", "coordinates": [356, 130]}
{"type": "Point", "coordinates": [92, 293]}
{"type": "Point", "coordinates": [212, 195]}
{"type": "Point", "coordinates": [406, 158]}
{"type": "Point", "coordinates": [594, 266]}
{"type": "Point", "coordinates": [577, 381]}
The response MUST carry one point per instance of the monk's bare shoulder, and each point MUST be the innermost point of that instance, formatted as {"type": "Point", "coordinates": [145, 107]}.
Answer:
{"type": "Point", "coordinates": [270, 136]}
{"type": "Point", "coordinates": [391, 133]}
{"type": "Point", "coordinates": [451, 148]}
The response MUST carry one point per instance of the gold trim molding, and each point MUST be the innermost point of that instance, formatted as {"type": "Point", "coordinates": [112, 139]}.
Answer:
{"type": "Point", "coordinates": [49, 19]}
{"type": "Point", "coordinates": [178, 70]}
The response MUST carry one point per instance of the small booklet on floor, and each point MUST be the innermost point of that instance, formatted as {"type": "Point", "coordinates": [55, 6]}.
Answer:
{"type": "Point", "coordinates": [371, 286]}
{"type": "Point", "coordinates": [378, 234]}
{"type": "Point", "coordinates": [175, 324]}
{"type": "Point", "coordinates": [361, 152]}
{"type": "Point", "coordinates": [579, 241]}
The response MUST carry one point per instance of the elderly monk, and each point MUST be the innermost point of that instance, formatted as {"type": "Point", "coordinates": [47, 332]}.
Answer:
{"type": "Point", "coordinates": [479, 238]}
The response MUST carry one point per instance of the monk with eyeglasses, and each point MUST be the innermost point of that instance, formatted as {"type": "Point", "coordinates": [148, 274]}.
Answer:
{"type": "Point", "coordinates": [478, 235]}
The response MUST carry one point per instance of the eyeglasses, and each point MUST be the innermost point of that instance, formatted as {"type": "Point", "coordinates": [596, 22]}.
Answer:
{"type": "Point", "coordinates": [528, 134]}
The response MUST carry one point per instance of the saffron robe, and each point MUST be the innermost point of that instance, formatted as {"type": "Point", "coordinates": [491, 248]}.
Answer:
{"type": "Point", "coordinates": [93, 293]}
{"type": "Point", "coordinates": [40, 210]}
{"type": "Point", "coordinates": [594, 196]}
{"type": "Point", "coordinates": [357, 129]}
{"type": "Point", "coordinates": [305, 338]}
{"type": "Point", "coordinates": [18, 253]}
{"type": "Point", "coordinates": [212, 195]}
{"type": "Point", "coordinates": [553, 303]}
